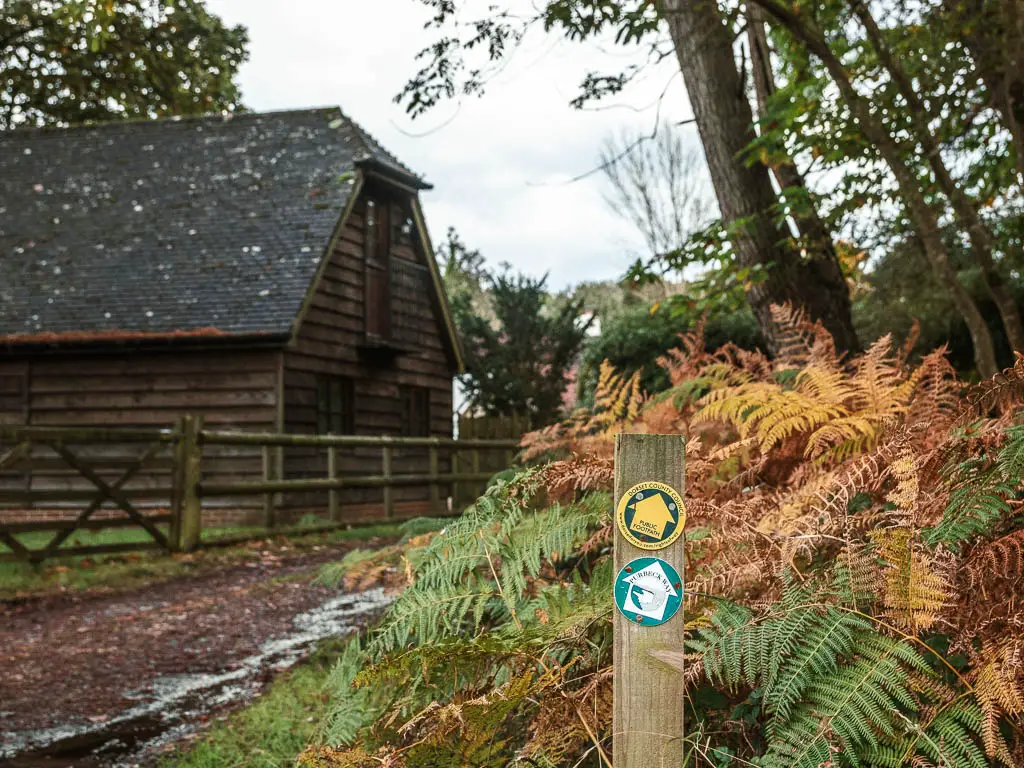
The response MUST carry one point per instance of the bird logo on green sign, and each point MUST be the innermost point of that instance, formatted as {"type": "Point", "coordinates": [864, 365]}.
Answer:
{"type": "Point", "coordinates": [648, 591]}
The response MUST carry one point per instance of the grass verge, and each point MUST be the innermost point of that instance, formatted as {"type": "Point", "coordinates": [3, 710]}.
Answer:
{"type": "Point", "coordinates": [127, 570]}
{"type": "Point", "coordinates": [275, 728]}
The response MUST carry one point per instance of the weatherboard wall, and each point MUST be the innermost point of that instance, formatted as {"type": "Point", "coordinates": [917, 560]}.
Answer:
{"type": "Point", "coordinates": [328, 343]}
{"type": "Point", "coordinates": [231, 389]}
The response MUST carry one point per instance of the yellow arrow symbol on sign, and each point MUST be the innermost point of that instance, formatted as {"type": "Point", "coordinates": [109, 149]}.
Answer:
{"type": "Point", "coordinates": [651, 515]}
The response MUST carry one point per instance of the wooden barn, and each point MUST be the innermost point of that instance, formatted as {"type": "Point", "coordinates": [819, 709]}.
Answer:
{"type": "Point", "coordinates": [271, 272]}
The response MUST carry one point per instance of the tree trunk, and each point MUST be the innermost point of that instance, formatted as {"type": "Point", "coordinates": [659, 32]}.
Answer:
{"type": "Point", "coordinates": [964, 206]}
{"type": "Point", "coordinates": [703, 45]}
{"type": "Point", "coordinates": [816, 235]}
{"type": "Point", "coordinates": [922, 213]}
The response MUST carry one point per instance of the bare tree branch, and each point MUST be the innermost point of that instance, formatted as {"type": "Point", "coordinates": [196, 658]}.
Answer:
{"type": "Point", "coordinates": [657, 184]}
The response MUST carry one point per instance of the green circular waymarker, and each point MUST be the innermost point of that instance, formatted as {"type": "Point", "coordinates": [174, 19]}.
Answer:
{"type": "Point", "coordinates": [648, 591]}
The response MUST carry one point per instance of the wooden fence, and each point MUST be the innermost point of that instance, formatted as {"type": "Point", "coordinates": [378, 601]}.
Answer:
{"type": "Point", "coordinates": [153, 480]}
{"type": "Point", "coordinates": [484, 428]}
{"type": "Point", "coordinates": [493, 427]}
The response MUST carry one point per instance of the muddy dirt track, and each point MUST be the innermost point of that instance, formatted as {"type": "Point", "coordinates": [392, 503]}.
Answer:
{"type": "Point", "coordinates": [105, 679]}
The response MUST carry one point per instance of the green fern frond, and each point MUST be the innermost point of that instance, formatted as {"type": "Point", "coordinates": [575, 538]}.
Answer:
{"type": "Point", "coordinates": [980, 492]}
{"type": "Point", "coordinates": [824, 642]}
{"type": "Point", "coordinates": [351, 709]}
{"type": "Point", "coordinates": [835, 689]}
{"type": "Point", "coordinates": [951, 738]}
{"type": "Point", "coordinates": [849, 710]}
{"type": "Point", "coordinates": [556, 531]}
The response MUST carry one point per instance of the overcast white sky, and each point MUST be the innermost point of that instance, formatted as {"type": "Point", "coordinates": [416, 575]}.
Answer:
{"type": "Point", "coordinates": [499, 164]}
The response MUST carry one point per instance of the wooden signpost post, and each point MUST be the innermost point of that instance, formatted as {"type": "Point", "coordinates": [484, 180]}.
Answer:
{"type": "Point", "coordinates": [649, 558]}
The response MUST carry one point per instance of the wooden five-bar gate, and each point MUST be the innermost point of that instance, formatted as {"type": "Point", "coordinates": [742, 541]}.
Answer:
{"type": "Point", "coordinates": [156, 480]}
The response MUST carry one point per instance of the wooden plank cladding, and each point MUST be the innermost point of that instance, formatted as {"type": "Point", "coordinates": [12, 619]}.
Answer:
{"type": "Point", "coordinates": [332, 343]}
{"type": "Point", "coordinates": [14, 394]}
{"type": "Point", "coordinates": [141, 389]}
{"type": "Point", "coordinates": [231, 389]}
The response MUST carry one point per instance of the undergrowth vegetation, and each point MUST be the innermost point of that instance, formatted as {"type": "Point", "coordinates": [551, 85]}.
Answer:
{"type": "Point", "coordinates": [854, 577]}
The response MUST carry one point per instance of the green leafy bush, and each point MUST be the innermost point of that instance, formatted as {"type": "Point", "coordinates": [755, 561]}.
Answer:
{"type": "Point", "coordinates": [634, 339]}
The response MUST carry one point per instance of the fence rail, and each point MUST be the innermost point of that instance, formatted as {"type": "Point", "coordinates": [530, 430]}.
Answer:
{"type": "Point", "coordinates": [335, 484]}
{"type": "Point", "coordinates": [87, 434]}
{"type": "Point", "coordinates": [208, 437]}
{"type": "Point", "coordinates": [76, 465]}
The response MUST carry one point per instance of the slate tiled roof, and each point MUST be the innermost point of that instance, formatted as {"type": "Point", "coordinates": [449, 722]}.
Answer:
{"type": "Point", "coordinates": [170, 228]}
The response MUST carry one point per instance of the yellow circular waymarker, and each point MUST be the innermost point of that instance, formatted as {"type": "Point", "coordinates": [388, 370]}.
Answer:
{"type": "Point", "coordinates": [651, 515]}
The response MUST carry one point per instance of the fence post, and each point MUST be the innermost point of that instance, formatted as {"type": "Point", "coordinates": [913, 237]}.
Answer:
{"type": "Point", "coordinates": [454, 469]}
{"type": "Point", "coordinates": [186, 515]}
{"type": "Point", "coordinates": [333, 496]}
{"type": "Point", "coordinates": [478, 486]}
{"type": "Point", "coordinates": [435, 490]}
{"type": "Point", "coordinates": [647, 723]}
{"type": "Point", "coordinates": [269, 499]}
{"type": "Point", "coordinates": [177, 485]}
{"type": "Point", "coordinates": [279, 474]}
{"type": "Point", "coordinates": [385, 469]}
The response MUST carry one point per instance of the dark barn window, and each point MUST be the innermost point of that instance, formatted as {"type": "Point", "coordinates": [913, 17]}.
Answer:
{"type": "Point", "coordinates": [415, 411]}
{"type": "Point", "coordinates": [378, 269]}
{"type": "Point", "coordinates": [335, 405]}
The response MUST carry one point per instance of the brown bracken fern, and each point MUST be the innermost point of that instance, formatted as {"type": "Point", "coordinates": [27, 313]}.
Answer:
{"type": "Point", "coordinates": [855, 576]}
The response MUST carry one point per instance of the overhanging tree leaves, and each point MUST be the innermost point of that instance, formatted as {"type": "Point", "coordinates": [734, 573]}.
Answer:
{"type": "Point", "coordinates": [965, 207]}
{"type": "Point", "coordinates": [702, 41]}
{"type": "Point", "coordinates": [860, 98]}
{"type": "Point", "coordinates": [993, 32]}
{"type": "Point", "coordinates": [64, 62]}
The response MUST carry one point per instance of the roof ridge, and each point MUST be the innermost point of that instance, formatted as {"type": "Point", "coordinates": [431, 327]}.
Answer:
{"type": "Point", "coordinates": [365, 136]}
{"type": "Point", "coordinates": [361, 133]}
{"type": "Point", "coordinates": [207, 117]}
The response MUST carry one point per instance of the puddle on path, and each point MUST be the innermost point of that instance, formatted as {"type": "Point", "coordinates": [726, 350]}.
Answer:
{"type": "Point", "coordinates": [171, 707]}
